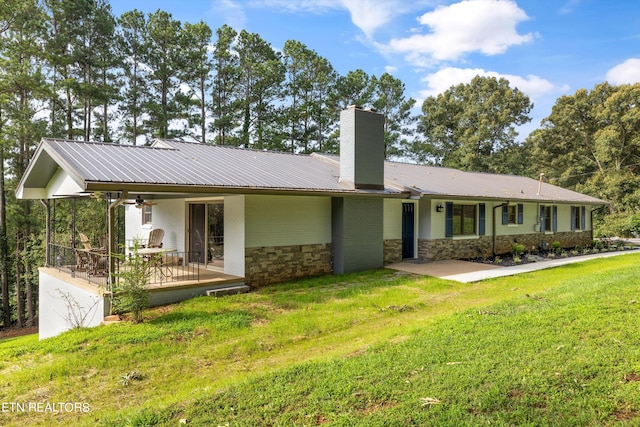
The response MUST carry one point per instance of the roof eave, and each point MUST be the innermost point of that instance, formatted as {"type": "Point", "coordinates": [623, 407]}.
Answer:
{"type": "Point", "coordinates": [203, 189]}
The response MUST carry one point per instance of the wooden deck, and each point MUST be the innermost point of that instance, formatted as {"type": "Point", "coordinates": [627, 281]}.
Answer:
{"type": "Point", "coordinates": [166, 287]}
{"type": "Point", "coordinates": [161, 293]}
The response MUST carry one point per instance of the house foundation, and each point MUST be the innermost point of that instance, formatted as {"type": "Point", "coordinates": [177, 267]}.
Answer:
{"type": "Point", "coordinates": [275, 264]}
{"type": "Point", "coordinates": [440, 249]}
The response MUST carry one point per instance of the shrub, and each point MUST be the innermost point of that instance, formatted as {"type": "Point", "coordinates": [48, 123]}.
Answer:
{"type": "Point", "coordinates": [557, 247]}
{"type": "Point", "coordinates": [517, 249]}
{"type": "Point", "coordinates": [129, 293]}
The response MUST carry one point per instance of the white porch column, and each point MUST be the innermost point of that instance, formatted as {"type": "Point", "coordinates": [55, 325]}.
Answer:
{"type": "Point", "coordinates": [234, 235]}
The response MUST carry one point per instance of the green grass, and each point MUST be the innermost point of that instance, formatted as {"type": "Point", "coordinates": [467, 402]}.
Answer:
{"type": "Point", "coordinates": [554, 347]}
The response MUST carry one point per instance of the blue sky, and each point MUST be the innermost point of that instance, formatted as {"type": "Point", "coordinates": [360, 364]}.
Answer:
{"type": "Point", "coordinates": [545, 48]}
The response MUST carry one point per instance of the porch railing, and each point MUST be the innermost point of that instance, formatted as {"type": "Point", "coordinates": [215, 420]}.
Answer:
{"type": "Point", "coordinates": [93, 266]}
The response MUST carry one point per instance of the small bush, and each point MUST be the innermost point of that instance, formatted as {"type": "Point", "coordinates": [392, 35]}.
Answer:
{"type": "Point", "coordinates": [517, 249]}
{"type": "Point", "coordinates": [129, 293]}
{"type": "Point", "coordinates": [557, 247]}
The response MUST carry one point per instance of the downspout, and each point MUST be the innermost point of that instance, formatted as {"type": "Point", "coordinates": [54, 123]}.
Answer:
{"type": "Point", "coordinates": [493, 226]}
{"type": "Point", "coordinates": [47, 210]}
{"type": "Point", "coordinates": [112, 249]}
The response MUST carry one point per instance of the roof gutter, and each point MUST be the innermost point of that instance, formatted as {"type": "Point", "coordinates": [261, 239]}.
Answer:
{"type": "Point", "coordinates": [203, 189]}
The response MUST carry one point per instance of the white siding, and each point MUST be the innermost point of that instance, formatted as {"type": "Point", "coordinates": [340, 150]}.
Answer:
{"type": "Point", "coordinates": [286, 220]}
{"type": "Point", "coordinates": [60, 302]}
{"type": "Point", "coordinates": [133, 228]}
{"type": "Point", "coordinates": [392, 224]}
{"type": "Point", "coordinates": [170, 215]}
{"type": "Point", "coordinates": [234, 235]}
{"type": "Point", "coordinates": [61, 184]}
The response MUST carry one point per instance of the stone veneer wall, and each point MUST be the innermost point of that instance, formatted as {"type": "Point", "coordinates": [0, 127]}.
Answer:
{"type": "Point", "coordinates": [392, 251]}
{"type": "Point", "coordinates": [274, 264]}
{"type": "Point", "coordinates": [483, 246]}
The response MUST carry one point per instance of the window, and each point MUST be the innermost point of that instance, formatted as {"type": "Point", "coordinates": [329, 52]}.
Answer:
{"type": "Point", "coordinates": [513, 214]}
{"type": "Point", "coordinates": [146, 214]}
{"type": "Point", "coordinates": [547, 218]}
{"type": "Point", "coordinates": [578, 218]}
{"type": "Point", "coordinates": [464, 220]}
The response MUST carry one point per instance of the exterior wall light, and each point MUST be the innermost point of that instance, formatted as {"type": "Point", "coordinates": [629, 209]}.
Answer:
{"type": "Point", "coordinates": [439, 208]}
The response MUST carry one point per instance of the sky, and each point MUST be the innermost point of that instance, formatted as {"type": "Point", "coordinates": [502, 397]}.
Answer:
{"type": "Point", "coordinates": [545, 48]}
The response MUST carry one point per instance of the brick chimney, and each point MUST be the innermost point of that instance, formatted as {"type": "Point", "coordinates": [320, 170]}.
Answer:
{"type": "Point", "coordinates": [362, 148]}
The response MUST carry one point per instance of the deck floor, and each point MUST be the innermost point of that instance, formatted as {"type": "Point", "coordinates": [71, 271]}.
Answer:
{"type": "Point", "coordinates": [179, 277]}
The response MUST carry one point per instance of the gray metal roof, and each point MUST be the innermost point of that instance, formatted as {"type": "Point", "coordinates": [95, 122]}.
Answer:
{"type": "Point", "coordinates": [440, 181]}
{"type": "Point", "coordinates": [182, 166]}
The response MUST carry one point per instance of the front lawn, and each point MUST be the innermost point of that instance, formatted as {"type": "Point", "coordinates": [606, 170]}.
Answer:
{"type": "Point", "coordinates": [554, 347]}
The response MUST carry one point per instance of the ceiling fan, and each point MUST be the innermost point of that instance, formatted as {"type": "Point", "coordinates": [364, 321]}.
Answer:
{"type": "Point", "coordinates": [139, 202]}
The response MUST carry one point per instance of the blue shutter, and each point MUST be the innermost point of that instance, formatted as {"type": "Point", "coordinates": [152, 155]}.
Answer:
{"type": "Point", "coordinates": [481, 219]}
{"type": "Point", "coordinates": [505, 214]}
{"type": "Point", "coordinates": [520, 213]}
{"type": "Point", "coordinates": [542, 224]}
{"type": "Point", "coordinates": [583, 218]}
{"type": "Point", "coordinates": [573, 218]}
{"type": "Point", "coordinates": [554, 213]}
{"type": "Point", "coordinates": [448, 226]}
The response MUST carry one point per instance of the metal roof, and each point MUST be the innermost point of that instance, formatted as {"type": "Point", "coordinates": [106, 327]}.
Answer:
{"type": "Point", "coordinates": [171, 165]}
{"type": "Point", "coordinates": [441, 181]}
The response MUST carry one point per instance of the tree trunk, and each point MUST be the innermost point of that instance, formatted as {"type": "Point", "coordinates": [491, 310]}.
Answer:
{"type": "Point", "coordinates": [4, 246]}
{"type": "Point", "coordinates": [19, 297]}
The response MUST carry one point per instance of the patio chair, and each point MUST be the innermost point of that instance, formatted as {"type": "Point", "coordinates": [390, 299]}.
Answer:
{"type": "Point", "coordinates": [82, 259]}
{"type": "Point", "coordinates": [87, 244]}
{"type": "Point", "coordinates": [98, 265]}
{"type": "Point", "coordinates": [155, 238]}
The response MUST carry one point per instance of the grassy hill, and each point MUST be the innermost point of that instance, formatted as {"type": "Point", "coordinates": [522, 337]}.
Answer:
{"type": "Point", "coordinates": [554, 347]}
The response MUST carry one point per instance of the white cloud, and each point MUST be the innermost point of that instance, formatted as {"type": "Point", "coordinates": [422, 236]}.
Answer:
{"type": "Point", "coordinates": [487, 26]}
{"type": "Point", "coordinates": [232, 12]}
{"type": "Point", "coordinates": [313, 6]}
{"type": "Point", "coordinates": [439, 82]}
{"type": "Point", "coordinates": [390, 69]}
{"type": "Point", "coordinates": [369, 15]}
{"type": "Point", "coordinates": [626, 73]}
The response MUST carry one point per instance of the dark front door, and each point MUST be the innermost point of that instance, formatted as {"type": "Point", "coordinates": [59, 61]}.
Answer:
{"type": "Point", "coordinates": [408, 226]}
{"type": "Point", "coordinates": [197, 236]}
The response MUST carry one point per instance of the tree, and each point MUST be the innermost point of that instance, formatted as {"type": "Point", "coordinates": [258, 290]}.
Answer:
{"type": "Point", "coordinates": [591, 142]}
{"type": "Point", "coordinates": [261, 74]}
{"type": "Point", "coordinates": [195, 73]}
{"type": "Point", "coordinates": [467, 125]}
{"type": "Point", "coordinates": [131, 43]}
{"type": "Point", "coordinates": [225, 107]}
{"type": "Point", "coordinates": [25, 91]}
{"type": "Point", "coordinates": [390, 101]}
{"type": "Point", "coordinates": [355, 88]}
{"type": "Point", "coordinates": [163, 56]}
{"type": "Point", "coordinates": [297, 113]}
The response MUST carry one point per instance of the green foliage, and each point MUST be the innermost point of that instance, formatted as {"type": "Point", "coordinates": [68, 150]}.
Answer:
{"type": "Point", "coordinates": [374, 348]}
{"type": "Point", "coordinates": [467, 125]}
{"type": "Point", "coordinates": [517, 249]}
{"type": "Point", "coordinates": [556, 246]}
{"type": "Point", "coordinates": [621, 224]}
{"type": "Point", "coordinates": [129, 292]}
{"type": "Point", "coordinates": [591, 142]}
{"type": "Point", "coordinates": [389, 100]}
